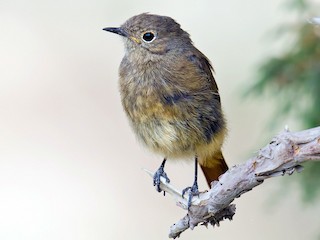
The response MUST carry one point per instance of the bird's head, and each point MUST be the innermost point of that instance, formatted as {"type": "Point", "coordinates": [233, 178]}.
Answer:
{"type": "Point", "coordinates": [151, 34]}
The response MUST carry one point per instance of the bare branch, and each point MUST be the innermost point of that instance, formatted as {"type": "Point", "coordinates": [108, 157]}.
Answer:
{"type": "Point", "coordinates": [283, 155]}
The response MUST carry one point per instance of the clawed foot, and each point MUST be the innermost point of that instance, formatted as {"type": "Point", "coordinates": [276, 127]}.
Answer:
{"type": "Point", "coordinates": [193, 191]}
{"type": "Point", "coordinates": [156, 178]}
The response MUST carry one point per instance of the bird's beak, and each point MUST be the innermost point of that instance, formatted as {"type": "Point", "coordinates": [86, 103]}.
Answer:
{"type": "Point", "coordinates": [122, 32]}
{"type": "Point", "coordinates": [119, 31]}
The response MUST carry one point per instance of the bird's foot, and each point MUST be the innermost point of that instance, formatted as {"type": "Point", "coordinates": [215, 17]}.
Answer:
{"type": "Point", "coordinates": [193, 191]}
{"type": "Point", "coordinates": [156, 178]}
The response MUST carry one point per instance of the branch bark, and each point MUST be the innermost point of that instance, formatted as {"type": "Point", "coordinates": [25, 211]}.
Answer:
{"type": "Point", "coordinates": [283, 155]}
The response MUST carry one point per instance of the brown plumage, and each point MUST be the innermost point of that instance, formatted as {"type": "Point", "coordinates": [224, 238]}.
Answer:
{"type": "Point", "coordinates": [169, 93]}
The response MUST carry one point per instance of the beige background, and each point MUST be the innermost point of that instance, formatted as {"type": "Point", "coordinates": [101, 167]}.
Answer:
{"type": "Point", "coordinates": [70, 167]}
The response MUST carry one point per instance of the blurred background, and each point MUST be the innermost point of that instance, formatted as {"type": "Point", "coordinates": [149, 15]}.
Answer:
{"type": "Point", "coordinates": [70, 167]}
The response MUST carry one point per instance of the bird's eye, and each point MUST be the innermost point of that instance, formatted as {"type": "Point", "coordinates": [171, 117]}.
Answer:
{"type": "Point", "coordinates": [148, 37]}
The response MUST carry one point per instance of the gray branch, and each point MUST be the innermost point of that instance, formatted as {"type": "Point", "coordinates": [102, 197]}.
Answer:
{"type": "Point", "coordinates": [283, 155]}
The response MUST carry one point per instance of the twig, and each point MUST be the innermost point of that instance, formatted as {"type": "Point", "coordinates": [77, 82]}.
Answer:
{"type": "Point", "coordinates": [283, 155]}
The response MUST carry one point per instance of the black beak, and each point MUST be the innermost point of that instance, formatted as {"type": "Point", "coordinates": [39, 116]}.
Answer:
{"type": "Point", "coordinates": [119, 31]}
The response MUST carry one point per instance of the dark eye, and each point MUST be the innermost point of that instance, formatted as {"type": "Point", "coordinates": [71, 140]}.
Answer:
{"type": "Point", "coordinates": [148, 36]}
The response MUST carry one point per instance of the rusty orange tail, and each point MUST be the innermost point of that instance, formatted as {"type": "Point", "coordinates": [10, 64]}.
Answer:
{"type": "Point", "coordinates": [213, 167]}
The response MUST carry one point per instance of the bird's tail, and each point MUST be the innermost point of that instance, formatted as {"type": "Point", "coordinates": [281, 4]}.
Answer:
{"type": "Point", "coordinates": [213, 166]}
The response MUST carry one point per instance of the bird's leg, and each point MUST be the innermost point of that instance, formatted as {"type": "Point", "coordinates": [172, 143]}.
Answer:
{"type": "Point", "coordinates": [193, 191]}
{"type": "Point", "coordinates": [158, 174]}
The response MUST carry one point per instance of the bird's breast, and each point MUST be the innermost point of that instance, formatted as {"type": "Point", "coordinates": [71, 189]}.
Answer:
{"type": "Point", "coordinates": [154, 122]}
{"type": "Point", "coordinates": [169, 119]}
{"type": "Point", "coordinates": [150, 104]}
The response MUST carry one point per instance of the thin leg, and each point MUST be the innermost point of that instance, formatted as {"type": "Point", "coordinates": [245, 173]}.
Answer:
{"type": "Point", "coordinates": [193, 191]}
{"type": "Point", "coordinates": [158, 174]}
{"type": "Point", "coordinates": [195, 183]}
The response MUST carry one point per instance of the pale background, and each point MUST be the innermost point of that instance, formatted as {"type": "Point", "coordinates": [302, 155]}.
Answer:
{"type": "Point", "coordinates": [70, 167]}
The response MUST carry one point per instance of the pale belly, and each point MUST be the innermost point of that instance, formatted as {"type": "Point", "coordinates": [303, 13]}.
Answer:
{"type": "Point", "coordinates": [169, 138]}
{"type": "Point", "coordinates": [175, 126]}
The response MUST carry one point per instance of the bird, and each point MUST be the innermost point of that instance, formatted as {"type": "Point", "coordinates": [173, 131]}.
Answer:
{"type": "Point", "coordinates": [170, 96]}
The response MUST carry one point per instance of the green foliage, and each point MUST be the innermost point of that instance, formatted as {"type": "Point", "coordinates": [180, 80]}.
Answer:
{"type": "Point", "coordinates": [293, 78]}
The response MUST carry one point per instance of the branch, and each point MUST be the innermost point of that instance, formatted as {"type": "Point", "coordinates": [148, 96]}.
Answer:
{"type": "Point", "coordinates": [283, 155]}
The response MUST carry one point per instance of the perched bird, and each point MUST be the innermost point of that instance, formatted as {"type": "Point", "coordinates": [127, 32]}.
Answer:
{"type": "Point", "coordinates": [170, 95]}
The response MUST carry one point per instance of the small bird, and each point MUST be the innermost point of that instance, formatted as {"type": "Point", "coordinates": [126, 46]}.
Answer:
{"type": "Point", "coordinates": [170, 96]}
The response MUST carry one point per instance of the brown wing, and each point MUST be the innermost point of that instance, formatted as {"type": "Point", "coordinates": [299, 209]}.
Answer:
{"type": "Point", "coordinates": [212, 165]}
{"type": "Point", "coordinates": [204, 66]}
